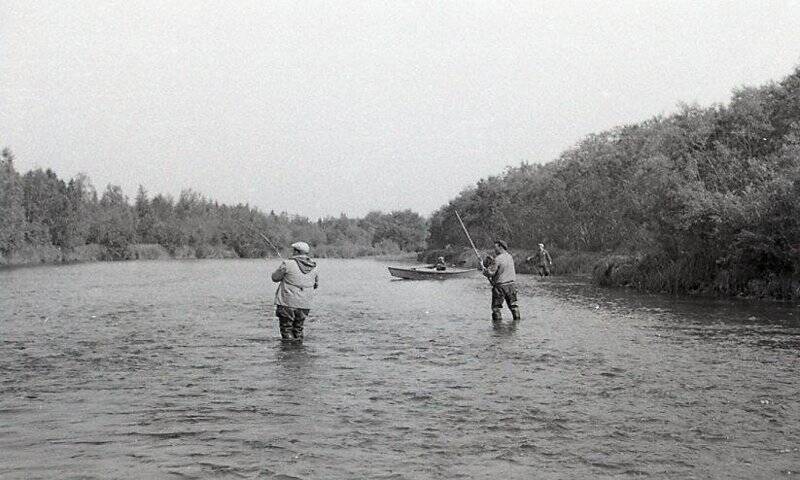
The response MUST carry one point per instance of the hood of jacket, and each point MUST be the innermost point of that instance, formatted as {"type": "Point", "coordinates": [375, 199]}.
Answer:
{"type": "Point", "coordinates": [304, 262]}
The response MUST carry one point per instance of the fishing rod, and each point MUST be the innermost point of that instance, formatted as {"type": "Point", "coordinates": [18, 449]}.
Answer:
{"type": "Point", "coordinates": [263, 237]}
{"type": "Point", "coordinates": [477, 255]}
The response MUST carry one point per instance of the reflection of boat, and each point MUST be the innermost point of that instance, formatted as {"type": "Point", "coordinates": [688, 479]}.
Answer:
{"type": "Point", "coordinates": [427, 273]}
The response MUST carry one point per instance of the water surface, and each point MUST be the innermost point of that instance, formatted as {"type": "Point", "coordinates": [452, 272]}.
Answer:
{"type": "Point", "coordinates": [175, 370]}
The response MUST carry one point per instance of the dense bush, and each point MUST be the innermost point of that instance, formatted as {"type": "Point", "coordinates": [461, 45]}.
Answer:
{"type": "Point", "coordinates": [706, 198]}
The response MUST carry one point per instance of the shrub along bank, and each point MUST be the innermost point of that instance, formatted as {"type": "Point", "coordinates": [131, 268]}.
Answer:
{"type": "Point", "coordinates": [706, 200]}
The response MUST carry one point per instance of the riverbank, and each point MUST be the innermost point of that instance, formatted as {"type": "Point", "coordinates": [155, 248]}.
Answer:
{"type": "Point", "coordinates": [640, 272]}
{"type": "Point", "coordinates": [650, 273]}
{"type": "Point", "coordinates": [51, 255]}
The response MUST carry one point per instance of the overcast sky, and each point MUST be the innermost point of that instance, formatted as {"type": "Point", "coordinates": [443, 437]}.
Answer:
{"type": "Point", "coordinates": [324, 108]}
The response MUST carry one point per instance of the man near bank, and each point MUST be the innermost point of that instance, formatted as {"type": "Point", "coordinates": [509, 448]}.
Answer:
{"type": "Point", "coordinates": [502, 275]}
{"type": "Point", "coordinates": [298, 278]}
{"type": "Point", "coordinates": [542, 260]}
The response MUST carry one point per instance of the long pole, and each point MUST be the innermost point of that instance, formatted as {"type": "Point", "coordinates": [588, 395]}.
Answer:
{"type": "Point", "coordinates": [477, 255]}
{"type": "Point", "coordinates": [263, 237]}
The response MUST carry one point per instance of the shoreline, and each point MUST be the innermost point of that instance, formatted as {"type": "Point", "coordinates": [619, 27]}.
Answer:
{"type": "Point", "coordinates": [30, 257]}
{"type": "Point", "coordinates": [601, 269]}
{"type": "Point", "coordinates": [636, 272]}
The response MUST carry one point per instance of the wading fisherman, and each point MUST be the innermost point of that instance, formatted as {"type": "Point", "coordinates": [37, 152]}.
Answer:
{"type": "Point", "coordinates": [502, 275]}
{"type": "Point", "coordinates": [298, 279]}
{"type": "Point", "coordinates": [542, 261]}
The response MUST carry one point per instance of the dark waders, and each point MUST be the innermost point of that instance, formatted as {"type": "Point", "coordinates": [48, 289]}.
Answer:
{"type": "Point", "coordinates": [504, 292]}
{"type": "Point", "coordinates": [290, 322]}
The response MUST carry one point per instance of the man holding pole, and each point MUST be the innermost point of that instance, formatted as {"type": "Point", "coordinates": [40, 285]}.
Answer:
{"type": "Point", "coordinates": [297, 278]}
{"type": "Point", "coordinates": [502, 275]}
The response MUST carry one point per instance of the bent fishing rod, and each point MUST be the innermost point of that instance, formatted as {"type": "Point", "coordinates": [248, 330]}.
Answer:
{"type": "Point", "coordinates": [263, 237]}
{"type": "Point", "coordinates": [477, 255]}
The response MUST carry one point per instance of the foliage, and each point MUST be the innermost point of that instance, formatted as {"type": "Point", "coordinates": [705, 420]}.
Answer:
{"type": "Point", "coordinates": [13, 226]}
{"type": "Point", "coordinates": [40, 210]}
{"type": "Point", "coordinates": [705, 198]}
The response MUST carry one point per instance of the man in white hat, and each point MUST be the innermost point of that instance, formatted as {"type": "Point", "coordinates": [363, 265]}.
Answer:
{"type": "Point", "coordinates": [298, 279]}
{"type": "Point", "coordinates": [542, 260]}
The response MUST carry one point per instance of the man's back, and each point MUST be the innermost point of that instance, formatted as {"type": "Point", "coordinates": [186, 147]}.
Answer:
{"type": "Point", "coordinates": [503, 269]}
{"type": "Point", "coordinates": [298, 277]}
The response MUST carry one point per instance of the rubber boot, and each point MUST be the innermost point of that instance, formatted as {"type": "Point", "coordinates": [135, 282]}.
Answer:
{"type": "Point", "coordinates": [497, 315]}
{"type": "Point", "coordinates": [285, 326]}
{"type": "Point", "coordinates": [515, 314]}
{"type": "Point", "coordinates": [297, 331]}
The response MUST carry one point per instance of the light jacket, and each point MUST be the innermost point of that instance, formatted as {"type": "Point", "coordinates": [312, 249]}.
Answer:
{"type": "Point", "coordinates": [542, 257]}
{"type": "Point", "coordinates": [502, 270]}
{"type": "Point", "coordinates": [298, 279]}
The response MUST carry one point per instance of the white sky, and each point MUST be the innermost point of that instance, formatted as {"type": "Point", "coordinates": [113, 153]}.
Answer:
{"type": "Point", "coordinates": [323, 108]}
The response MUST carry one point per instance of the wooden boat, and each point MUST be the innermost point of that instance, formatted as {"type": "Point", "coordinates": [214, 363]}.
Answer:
{"type": "Point", "coordinates": [427, 273]}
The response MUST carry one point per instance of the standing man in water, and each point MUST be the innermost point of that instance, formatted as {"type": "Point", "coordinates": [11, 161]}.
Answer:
{"type": "Point", "coordinates": [541, 260]}
{"type": "Point", "coordinates": [503, 277]}
{"type": "Point", "coordinates": [298, 279]}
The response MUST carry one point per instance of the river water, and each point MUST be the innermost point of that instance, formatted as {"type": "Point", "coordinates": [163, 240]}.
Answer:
{"type": "Point", "coordinates": [175, 370]}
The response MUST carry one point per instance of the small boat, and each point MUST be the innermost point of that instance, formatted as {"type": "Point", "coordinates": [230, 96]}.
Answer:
{"type": "Point", "coordinates": [428, 273]}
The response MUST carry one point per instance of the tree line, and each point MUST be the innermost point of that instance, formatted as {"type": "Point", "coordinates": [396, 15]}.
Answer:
{"type": "Point", "coordinates": [39, 209]}
{"type": "Point", "coordinates": [705, 199]}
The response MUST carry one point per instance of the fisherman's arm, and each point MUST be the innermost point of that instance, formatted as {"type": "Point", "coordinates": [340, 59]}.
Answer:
{"type": "Point", "coordinates": [278, 274]}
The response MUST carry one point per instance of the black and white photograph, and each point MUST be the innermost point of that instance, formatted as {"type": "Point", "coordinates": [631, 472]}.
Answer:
{"type": "Point", "coordinates": [400, 240]}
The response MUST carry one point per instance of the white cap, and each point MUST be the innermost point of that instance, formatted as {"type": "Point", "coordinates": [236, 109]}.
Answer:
{"type": "Point", "coordinates": [301, 247]}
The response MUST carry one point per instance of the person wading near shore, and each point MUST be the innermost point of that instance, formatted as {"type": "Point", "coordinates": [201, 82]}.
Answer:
{"type": "Point", "coordinates": [503, 277]}
{"type": "Point", "coordinates": [298, 279]}
{"type": "Point", "coordinates": [541, 260]}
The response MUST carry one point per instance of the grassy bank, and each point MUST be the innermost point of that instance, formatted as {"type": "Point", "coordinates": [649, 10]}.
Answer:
{"type": "Point", "coordinates": [693, 276]}
{"type": "Point", "coordinates": [641, 272]}
{"type": "Point", "coordinates": [51, 255]}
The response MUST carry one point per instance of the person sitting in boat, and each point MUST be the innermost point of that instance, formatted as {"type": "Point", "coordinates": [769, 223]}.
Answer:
{"type": "Point", "coordinates": [440, 265]}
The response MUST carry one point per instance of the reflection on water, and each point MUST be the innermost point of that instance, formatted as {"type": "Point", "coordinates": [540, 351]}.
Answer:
{"type": "Point", "coordinates": [504, 328]}
{"type": "Point", "coordinates": [174, 369]}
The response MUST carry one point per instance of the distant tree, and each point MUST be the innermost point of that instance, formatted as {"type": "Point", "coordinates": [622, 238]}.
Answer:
{"type": "Point", "coordinates": [81, 203]}
{"type": "Point", "coordinates": [404, 228]}
{"type": "Point", "coordinates": [115, 225]}
{"type": "Point", "coordinates": [46, 204]}
{"type": "Point", "coordinates": [12, 212]}
{"type": "Point", "coordinates": [145, 217]}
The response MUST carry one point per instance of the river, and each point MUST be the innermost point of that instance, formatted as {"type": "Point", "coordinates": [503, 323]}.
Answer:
{"type": "Point", "coordinates": [173, 369]}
